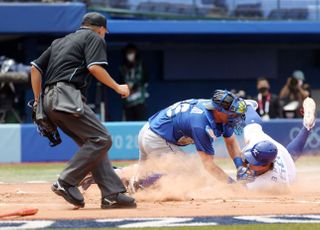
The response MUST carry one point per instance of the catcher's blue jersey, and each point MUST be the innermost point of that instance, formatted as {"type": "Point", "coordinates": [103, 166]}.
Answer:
{"type": "Point", "coordinates": [188, 122]}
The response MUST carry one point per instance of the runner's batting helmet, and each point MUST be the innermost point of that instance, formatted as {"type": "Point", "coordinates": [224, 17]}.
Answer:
{"type": "Point", "coordinates": [262, 153]}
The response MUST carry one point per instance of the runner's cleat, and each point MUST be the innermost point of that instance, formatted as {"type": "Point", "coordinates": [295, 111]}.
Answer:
{"type": "Point", "coordinates": [309, 110]}
{"type": "Point", "coordinates": [87, 182]}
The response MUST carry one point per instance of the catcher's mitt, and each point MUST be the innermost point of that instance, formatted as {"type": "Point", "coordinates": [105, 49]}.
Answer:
{"type": "Point", "coordinates": [44, 126]}
{"type": "Point", "coordinates": [245, 174]}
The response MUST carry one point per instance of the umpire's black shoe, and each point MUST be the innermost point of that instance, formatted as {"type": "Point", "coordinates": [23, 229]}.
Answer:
{"type": "Point", "coordinates": [118, 200]}
{"type": "Point", "coordinates": [68, 192]}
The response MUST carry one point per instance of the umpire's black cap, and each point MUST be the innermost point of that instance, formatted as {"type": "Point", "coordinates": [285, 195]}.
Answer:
{"type": "Point", "coordinates": [94, 19]}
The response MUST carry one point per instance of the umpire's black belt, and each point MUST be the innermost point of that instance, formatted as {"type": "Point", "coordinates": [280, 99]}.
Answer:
{"type": "Point", "coordinates": [51, 86]}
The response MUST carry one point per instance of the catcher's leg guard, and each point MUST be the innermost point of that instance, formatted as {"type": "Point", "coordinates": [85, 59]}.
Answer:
{"type": "Point", "coordinates": [135, 185]}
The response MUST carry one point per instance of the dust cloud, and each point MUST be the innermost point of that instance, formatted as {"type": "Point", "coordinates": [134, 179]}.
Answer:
{"type": "Point", "coordinates": [185, 179]}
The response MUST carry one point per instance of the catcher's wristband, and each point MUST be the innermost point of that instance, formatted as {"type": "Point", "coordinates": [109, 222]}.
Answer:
{"type": "Point", "coordinates": [237, 162]}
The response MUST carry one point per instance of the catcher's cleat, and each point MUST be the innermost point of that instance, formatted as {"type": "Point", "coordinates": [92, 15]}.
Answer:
{"type": "Point", "coordinates": [131, 188]}
{"type": "Point", "coordinates": [118, 200]}
{"type": "Point", "coordinates": [141, 184]}
{"type": "Point", "coordinates": [87, 182]}
{"type": "Point", "coordinates": [70, 193]}
{"type": "Point", "coordinates": [309, 113]}
{"type": "Point", "coordinates": [134, 186]}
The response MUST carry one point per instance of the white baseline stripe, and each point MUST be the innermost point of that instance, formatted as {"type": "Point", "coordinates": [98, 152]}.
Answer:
{"type": "Point", "coordinates": [38, 224]}
{"type": "Point", "coordinates": [275, 219]}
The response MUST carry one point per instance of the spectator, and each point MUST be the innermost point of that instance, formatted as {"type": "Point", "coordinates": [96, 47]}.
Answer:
{"type": "Point", "coordinates": [133, 73]}
{"type": "Point", "coordinates": [268, 103]}
{"type": "Point", "coordinates": [293, 93]}
{"type": "Point", "coordinates": [12, 94]}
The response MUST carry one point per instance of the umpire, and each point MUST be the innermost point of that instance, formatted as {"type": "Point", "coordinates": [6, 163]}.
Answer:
{"type": "Point", "coordinates": [67, 66]}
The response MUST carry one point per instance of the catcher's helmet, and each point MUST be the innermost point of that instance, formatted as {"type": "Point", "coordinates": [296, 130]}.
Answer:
{"type": "Point", "coordinates": [226, 102]}
{"type": "Point", "coordinates": [262, 153]}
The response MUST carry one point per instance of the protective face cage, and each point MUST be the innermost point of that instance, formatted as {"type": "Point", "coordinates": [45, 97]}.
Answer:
{"type": "Point", "coordinates": [237, 124]}
{"type": "Point", "coordinates": [235, 107]}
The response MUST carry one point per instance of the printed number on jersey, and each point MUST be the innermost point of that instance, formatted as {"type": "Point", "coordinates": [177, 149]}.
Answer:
{"type": "Point", "coordinates": [179, 107]}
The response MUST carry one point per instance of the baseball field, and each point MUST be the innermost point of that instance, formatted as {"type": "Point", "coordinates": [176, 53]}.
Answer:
{"type": "Point", "coordinates": [186, 198]}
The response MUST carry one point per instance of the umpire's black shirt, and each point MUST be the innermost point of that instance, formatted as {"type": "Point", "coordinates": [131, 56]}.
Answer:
{"type": "Point", "coordinates": [68, 58]}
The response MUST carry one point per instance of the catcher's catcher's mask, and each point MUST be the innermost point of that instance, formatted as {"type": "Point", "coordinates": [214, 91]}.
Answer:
{"type": "Point", "coordinates": [226, 102]}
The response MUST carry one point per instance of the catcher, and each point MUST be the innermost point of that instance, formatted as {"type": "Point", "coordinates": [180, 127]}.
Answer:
{"type": "Point", "coordinates": [266, 163]}
{"type": "Point", "coordinates": [198, 122]}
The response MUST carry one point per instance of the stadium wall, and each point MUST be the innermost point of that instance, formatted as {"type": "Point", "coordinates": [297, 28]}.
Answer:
{"type": "Point", "coordinates": [22, 143]}
{"type": "Point", "coordinates": [181, 56]}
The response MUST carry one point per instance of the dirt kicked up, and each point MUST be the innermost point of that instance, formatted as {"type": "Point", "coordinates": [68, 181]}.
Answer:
{"type": "Point", "coordinates": [189, 193]}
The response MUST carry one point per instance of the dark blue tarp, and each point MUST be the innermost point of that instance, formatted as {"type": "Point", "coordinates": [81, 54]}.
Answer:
{"type": "Point", "coordinates": [40, 17]}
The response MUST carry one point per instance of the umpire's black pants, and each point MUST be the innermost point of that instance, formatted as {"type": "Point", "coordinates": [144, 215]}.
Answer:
{"type": "Point", "coordinates": [94, 141]}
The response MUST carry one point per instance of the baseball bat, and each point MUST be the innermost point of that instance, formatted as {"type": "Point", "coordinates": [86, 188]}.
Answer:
{"type": "Point", "coordinates": [21, 212]}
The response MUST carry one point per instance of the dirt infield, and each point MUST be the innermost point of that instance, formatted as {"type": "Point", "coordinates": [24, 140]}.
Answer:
{"type": "Point", "coordinates": [52, 207]}
{"type": "Point", "coordinates": [196, 200]}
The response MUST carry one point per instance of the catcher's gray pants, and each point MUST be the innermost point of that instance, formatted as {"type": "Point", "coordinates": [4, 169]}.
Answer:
{"type": "Point", "coordinates": [151, 143]}
{"type": "Point", "coordinates": [94, 141]}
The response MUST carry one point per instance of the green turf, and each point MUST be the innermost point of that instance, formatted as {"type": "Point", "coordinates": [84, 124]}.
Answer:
{"type": "Point", "coordinates": [233, 227]}
{"type": "Point", "coordinates": [29, 172]}
{"type": "Point", "coordinates": [14, 173]}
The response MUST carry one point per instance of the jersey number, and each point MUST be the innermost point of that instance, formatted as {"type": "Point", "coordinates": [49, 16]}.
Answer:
{"type": "Point", "coordinates": [179, 107]}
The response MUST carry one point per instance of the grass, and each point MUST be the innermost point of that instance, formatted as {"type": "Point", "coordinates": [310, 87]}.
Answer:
{"type": "Point", "coordinates": [15, 173]}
